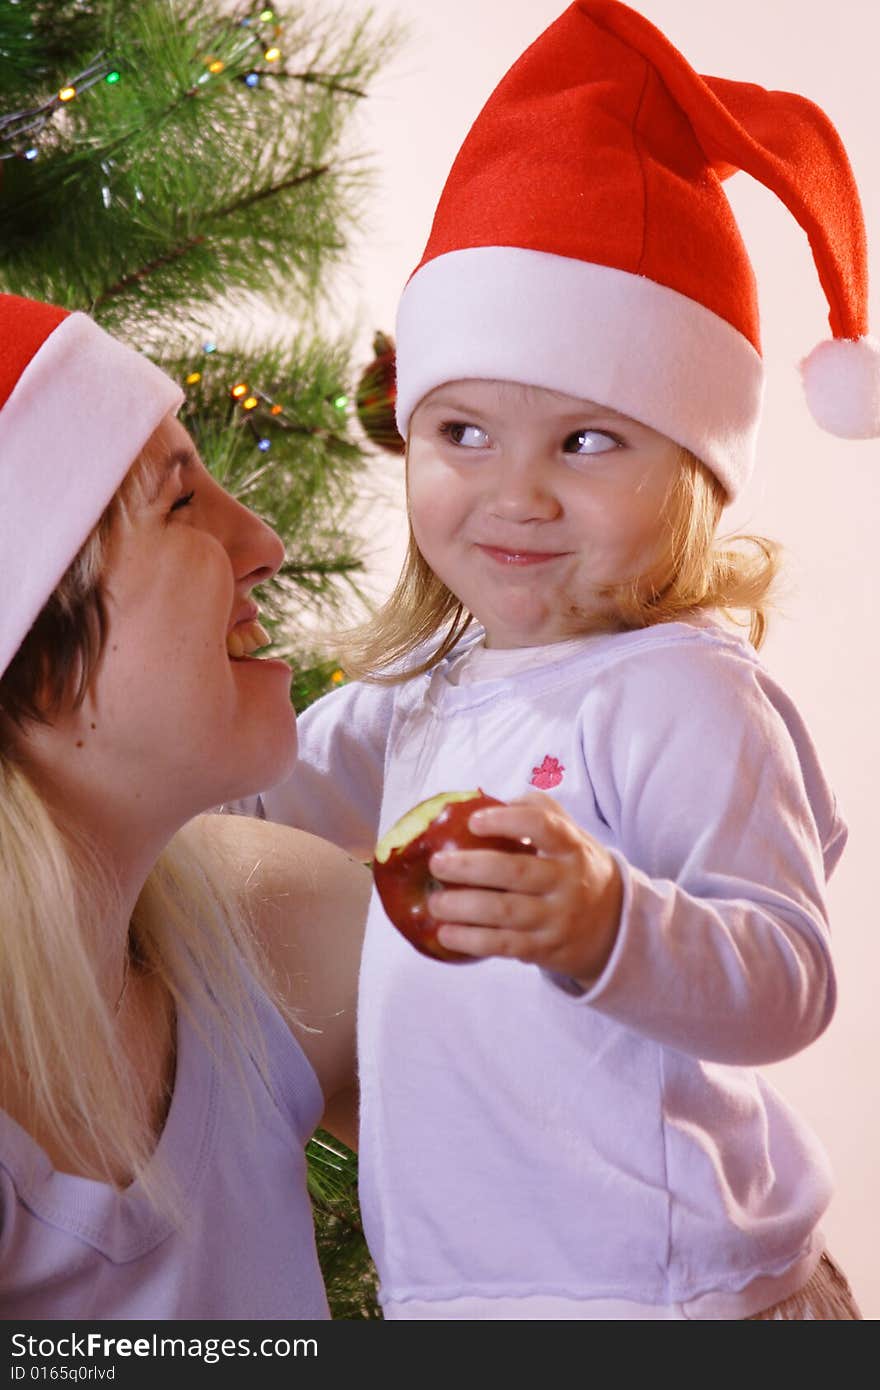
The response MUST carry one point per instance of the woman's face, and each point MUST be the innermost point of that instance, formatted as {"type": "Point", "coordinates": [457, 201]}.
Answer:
{"type": "Point", "coordinates": [173, 724]}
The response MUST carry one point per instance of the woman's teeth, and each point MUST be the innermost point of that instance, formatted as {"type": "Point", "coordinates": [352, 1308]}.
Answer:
{"type": "Point", "coordinates": [245, 639]}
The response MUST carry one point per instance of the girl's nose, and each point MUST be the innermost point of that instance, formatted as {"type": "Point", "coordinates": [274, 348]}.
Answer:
{"type": "Point", "coordinates": [523, 492]}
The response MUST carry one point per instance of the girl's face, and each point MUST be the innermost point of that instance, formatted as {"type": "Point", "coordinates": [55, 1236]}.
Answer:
{"type": "Point", "coordinates": [173, 725]}
{"type": "Point", "coordinates": [527, 503]}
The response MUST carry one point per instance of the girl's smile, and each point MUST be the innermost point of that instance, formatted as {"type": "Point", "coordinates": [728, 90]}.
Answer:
{"type": "Point", "coordinates": [519, 557]}
{"type": "Point", "coordinates": [530, 505]}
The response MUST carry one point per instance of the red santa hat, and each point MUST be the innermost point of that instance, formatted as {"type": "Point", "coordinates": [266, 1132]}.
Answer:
{"type": "Point", "coordinates": [76, 407]}
{"type": "Point", "coordinates": [583, 242]}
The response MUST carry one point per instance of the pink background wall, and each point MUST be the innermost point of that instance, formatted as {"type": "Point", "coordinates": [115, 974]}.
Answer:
{"type": "Point", "coordinates": [819, 496]}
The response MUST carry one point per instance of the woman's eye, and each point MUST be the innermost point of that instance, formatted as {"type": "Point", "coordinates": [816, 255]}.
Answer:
{"type": "Point", "coordinates": [468, 436]}
{"type": "Point", "coordinates": [588, 442]}
{"type": "Point", "coordinates": [183, 501]}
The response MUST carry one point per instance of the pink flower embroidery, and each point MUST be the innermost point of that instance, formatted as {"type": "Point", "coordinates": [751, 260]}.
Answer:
{"type": "Point", "coordinates": [548, 775]}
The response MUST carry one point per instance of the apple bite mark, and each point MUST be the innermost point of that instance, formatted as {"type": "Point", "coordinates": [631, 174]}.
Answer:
{"type": "Point", "coordinates": [403, 879]}
{"type": "Point", "coordinates": [418, 819]}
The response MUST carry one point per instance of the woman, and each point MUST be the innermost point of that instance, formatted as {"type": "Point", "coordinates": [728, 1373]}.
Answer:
{"type": "Point", "coordinates": [173, 1025]}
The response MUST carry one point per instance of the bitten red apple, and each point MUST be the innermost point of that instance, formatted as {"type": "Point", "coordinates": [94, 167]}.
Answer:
{"type": "Point", "coordinates": [400, 866]}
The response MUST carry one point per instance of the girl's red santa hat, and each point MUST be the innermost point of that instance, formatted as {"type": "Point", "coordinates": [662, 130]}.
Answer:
{"type": "Point", "coordinates": [76, 408]}
{"type": "Point", "coordinates": [583, 242]}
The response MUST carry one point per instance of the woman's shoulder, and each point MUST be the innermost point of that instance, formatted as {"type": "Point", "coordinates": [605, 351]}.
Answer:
{"type": "Point", "coordinates": [306, 900]}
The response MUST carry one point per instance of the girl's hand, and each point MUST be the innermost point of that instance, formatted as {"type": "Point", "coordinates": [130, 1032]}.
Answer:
{"type": "Point", "coordinates": [559, 909]}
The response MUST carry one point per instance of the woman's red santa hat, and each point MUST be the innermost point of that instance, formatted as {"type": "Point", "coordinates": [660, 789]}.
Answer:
{"type": "Point", "coordinates": [76, 408]}
{"type": "Point", "coordinates": [583, 242]}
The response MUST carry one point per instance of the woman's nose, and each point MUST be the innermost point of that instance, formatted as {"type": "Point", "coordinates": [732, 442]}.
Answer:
{"type": "Point", "coordinates": [257, 552]}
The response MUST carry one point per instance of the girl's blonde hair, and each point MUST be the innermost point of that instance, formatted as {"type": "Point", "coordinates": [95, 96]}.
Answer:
{"type": "Point", "coordinates": [695, 571]}
{"type": "Point", "coordinates": [56, 1024]}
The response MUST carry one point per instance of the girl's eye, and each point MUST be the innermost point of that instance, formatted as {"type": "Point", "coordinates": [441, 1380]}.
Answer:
{"type": "Point", "coordinates": [587, 442]}
{"type": "Point", "coordinates": [183, 501]}
{"type": "Point", "coordinates": [467, 436]}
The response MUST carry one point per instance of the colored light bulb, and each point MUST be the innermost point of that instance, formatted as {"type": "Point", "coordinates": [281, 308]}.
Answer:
{"type": "Point", "coordinates": [67, 94]}
{"type": "Point", "coordinates": [250, 403]}
{"type": "Point", "coordinates": [193, 378]}
{"type": "Point", "coordinates": [240, 389]}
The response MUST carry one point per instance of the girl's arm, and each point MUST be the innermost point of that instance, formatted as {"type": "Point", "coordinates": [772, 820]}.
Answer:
{"type": "Point", "coordinates": [308, 901]}
{"type": "Point", "coordinates": [726, 832]}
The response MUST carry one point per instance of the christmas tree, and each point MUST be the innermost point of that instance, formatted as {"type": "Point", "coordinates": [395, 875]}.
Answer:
{"type": "Point", "coordinates": [181, 172]}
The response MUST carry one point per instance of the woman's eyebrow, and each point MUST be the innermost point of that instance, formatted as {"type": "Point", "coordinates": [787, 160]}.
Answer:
{"type": "Point", "coordinates": [181, 457]}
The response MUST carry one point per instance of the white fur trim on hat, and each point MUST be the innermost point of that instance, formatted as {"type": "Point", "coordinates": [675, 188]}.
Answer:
{"type": "Point", "coordinates": [617, 339]}
{"type": "Point", "coordinates": [842, 385]}
{"type": "Point", "coordinates": [78, 416]}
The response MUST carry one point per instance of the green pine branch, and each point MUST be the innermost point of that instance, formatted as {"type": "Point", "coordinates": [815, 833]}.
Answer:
{"type": "Point", "coordinates": [176, 186]}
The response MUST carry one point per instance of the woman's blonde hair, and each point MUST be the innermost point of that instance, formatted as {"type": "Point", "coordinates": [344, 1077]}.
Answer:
{"type": "Point", "coordinates": [695, 571]}
{"type": "Point", "coordinates": [57, 1026]}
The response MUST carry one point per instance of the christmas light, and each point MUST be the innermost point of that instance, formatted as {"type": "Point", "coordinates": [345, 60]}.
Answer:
{"type": "Point", "coordinates": [340, 402]}
{"type": "Point", "coordinates": [276, 409]}
{"type": "Point", "coordinates": [209, 347]}
{"type": "Point", "coordinates": [264, 445]}
{"type": "Point", "coordinates": [252, 79]}
{"type": "Point", "coordinates": [112, 78]}
{"type": "Point", "coordinates": [266, 16]}
{"type": "Point", "coordinates": [193, 378]}
{"type": "Point", "coordinates": [216, 66]}
{"type": "Point", "coordinates": [239, 390]}
{"type": "Point", "coordinates": [250, 403]}
{"type": "Point", "coordinates": [272, 55]}
{"type": "Point", "coordinates": [338, 677]}
{"type": "Point", "coordinates": [16, 127]}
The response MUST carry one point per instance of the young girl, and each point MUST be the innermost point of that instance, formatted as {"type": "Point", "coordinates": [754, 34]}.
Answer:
{"type": "Point", "coordinates": [173, 1025]}
{"type": "Point", "coordinates": [574, 1126]}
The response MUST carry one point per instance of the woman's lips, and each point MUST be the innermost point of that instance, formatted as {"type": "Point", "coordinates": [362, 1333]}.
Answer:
{"type": "Point", "coordinates": [519, 557]}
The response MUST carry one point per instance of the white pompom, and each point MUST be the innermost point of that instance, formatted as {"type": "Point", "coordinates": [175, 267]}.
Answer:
{"type": "Point", "coordinates": [842, 385]}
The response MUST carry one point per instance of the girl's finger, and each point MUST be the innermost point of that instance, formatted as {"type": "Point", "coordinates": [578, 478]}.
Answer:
{"type": "Point", "coordinates": [486, 908]}
{"type": "Point", "coordinates": [489, 868]}
{"type": "Point", "coordinates": [546, 826]}
{"type": "Point", "coordinates": [484, 942]}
